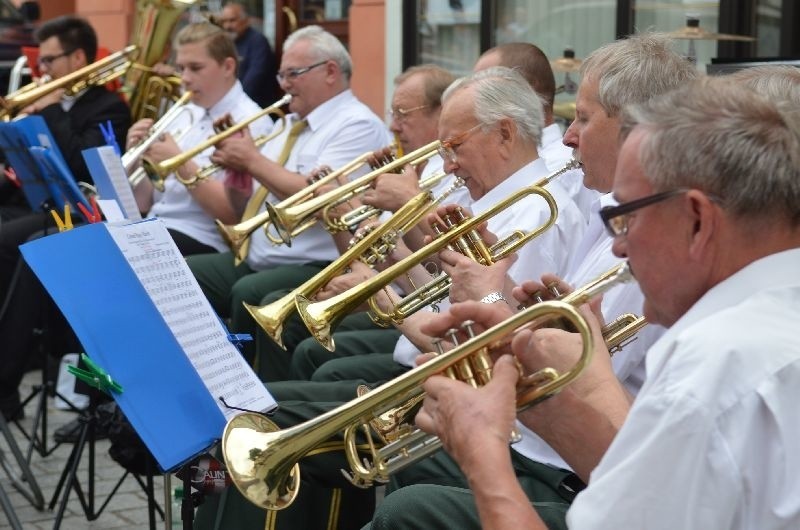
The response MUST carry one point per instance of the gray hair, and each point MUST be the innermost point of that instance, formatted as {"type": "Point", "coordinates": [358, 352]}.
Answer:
{"type": "Point", "coordinates": [502, 93]}
{"type": "Point", "coordinates": [324, 47]}
{"type": "Point", "coordinates": [635, 69]}
{"type": "Point", "coordinates": [726, 140]}
{"type": "Point", "coordinates": [775, 82]}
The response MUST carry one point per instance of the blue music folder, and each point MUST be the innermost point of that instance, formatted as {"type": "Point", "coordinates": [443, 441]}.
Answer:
{"type": "Point", "coordinates": [35, 187]}
{"type": "Point", "coordinates": [140, 315]}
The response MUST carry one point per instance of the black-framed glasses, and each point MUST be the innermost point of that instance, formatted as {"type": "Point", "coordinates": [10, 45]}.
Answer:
{"type": "Point", "coordinates": [447, 150]}
{"type": "Point", "coordinates": [293, 73]}
{"type": "Point", "coordinates": [615, 218]}
{"type": "Point", "coordinates": [401, 114]}
{"type": "Point", "coordinates": [47, 60]}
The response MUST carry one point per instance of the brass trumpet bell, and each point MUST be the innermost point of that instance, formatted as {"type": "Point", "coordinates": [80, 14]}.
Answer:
{"type": "Point", "coordinates": [269, 488]}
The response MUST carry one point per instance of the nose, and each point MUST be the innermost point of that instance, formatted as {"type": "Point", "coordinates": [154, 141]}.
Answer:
{"type": "Point", "coordinates": [450, 166]}
{"type": "Point", "coordinates": [395, 125]}
{"type": "Point", "coordinates": [571, 136]}
{"type": "Point", "coordinates": [620, 247]}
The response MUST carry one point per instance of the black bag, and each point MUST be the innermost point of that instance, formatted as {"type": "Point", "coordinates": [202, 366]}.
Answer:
{"type": "Point", "coordinates": [127, 449]}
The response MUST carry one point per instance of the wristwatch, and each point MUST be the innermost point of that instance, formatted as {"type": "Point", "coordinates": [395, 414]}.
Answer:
{"type": "Point", "coordinates": [493, 297]}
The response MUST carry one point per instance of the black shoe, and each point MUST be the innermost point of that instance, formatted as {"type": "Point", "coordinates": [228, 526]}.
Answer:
{"type": "Point", "coordinates": [70, 432]}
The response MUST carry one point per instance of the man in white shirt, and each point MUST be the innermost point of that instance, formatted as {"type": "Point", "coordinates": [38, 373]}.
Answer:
{"type": "Point", "coordinates": [546, 477]}
{"type": "Point", "coordinates": [328, 126]}
{"type": "Point", "coordinates": [206, 59]}
{"type": "Point", "coordinates": [708, 182]}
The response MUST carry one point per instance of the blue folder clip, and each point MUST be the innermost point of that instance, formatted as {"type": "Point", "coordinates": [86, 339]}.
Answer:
{"type": "Point", "coordinates": [107, 129]}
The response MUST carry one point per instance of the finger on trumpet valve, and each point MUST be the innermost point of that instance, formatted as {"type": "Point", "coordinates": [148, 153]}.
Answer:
{"type": "Point", "coordinates": [553, 288]}
{"type": "Point", "coordinates": [318, 173]}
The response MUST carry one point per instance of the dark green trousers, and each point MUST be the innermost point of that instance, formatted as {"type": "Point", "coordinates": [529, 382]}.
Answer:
{"type": "Point", "coordinates": [326, 500]}
{"type": "Point", "coordinates": [356, 334]}
{"type": "Point", "coordinates": [434, 494]}
{"type": "Point", "coordinates": [228, 286]}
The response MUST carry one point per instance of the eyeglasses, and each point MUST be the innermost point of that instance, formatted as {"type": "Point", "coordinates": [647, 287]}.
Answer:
{"type": "Point", "coordinates": [400, 114]}
{"type": "Point", "coordinates": [615, 218]}
{"type": "Point", "coordinates": [448, 148]}
{"type": "Point", "coordinates": [293, 73]}
{"type": "Point", "coordinates": [47, 60]}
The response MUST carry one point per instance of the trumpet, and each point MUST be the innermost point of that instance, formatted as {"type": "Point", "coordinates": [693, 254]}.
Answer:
{"type": "Point", "coordinates": [288, 220]}
{"type": "Point", "coordinates": [263, 460]}
{"type": "Point", "coordinates": [352, 219]}
{"type": "Point", "coordinates": [404, 444]}
{"type": "Point", "coordinates": [236, 235]}
{"type": "Point", "coordinates": [134, 154]}
{"type": "Point", "coordinates": [322, 317]}
{"type": "Point", "coordinates": [369, 249]}
{"type": "Point", "coordinates": [159, 171]}
{"type": "Point", "coordinates": [96, 74]}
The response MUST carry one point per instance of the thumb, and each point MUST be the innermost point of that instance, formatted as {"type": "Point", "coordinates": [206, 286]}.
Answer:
{"type": "Point", "coordinates": [505, 372]}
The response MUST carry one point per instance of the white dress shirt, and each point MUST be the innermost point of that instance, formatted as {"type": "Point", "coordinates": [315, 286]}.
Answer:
{"type": "Point", "coordinates": [591, 258]}
{"type": "Point", "coordinates": [175, 205]}
{"type": "Point", "coordinates": [338, 131]}
{"type": "Point", "coordinates": [711, 440]}
{"type": "Point", "coordinates": [547, 253]}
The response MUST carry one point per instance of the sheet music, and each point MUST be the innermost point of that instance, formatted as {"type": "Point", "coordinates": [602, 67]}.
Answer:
{"type": "Point", "coordinates": [156, 261]}
{"type": "Point", "coordinates": [116, 172]}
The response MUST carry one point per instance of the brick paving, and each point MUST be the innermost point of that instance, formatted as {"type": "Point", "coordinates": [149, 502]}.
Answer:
{"type": "Point", "coordinates": [127, 508]}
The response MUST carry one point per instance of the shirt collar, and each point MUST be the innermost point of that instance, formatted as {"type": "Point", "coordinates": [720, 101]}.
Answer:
{"type": "Point", "coordinates": [229, 102]}
{"type": "Point", "coordinates": [775, 270]}
{"type": "Point", "coordinates": [551, 134]}
{"type": "Point", "coordinates": [326, 112]}
{"type": "Point", "coordinates": [525, 176]}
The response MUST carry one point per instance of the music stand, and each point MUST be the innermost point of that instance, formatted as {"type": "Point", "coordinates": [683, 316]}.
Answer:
{"type": "Point", "coordinates": [47, 184]}
{"type": "Point", "coordinates": [17, 477]}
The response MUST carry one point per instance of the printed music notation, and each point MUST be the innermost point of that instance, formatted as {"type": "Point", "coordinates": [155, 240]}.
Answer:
{"type": "Point", "coordinates": [169, 283]}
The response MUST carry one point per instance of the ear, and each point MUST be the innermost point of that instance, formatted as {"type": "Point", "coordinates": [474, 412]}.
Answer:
{"type": "Point", "coordinates": [704, 216]}
{"type": "Point", "coordinates": [332, 72]}
{"type": "Point", "coordinates": [507, 129]}
{"type": "Point", "coordinates": [80, 56]}
{"type": "Point", "coordinates": [229, 65]}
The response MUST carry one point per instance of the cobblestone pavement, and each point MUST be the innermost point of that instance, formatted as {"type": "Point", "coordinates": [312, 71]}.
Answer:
{"type": "Point", "coordinates": [127, 508]}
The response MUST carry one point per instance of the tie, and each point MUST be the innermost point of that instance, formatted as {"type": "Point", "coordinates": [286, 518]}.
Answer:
{"type": "Point", "coordinates": [258, 198]}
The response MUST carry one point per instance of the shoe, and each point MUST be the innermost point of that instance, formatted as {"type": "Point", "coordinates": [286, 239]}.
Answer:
{"type": "Point", "coordinates": [70, 432]}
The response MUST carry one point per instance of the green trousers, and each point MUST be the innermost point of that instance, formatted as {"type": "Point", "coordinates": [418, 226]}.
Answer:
{"type": "Point", "coordinates": [434, 494]}
{"type": "Point", "coordinates": [356, 334]}
{"type": "Point", "coordinates": [228, 286]}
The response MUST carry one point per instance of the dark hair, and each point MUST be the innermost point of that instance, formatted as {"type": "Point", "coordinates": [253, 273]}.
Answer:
{"type": "Point", "coordinates": [72, 32]}
{"type": "Point", "coordinates": [530, 61]}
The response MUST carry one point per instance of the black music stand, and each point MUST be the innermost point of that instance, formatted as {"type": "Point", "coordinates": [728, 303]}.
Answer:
{"type": "Point", "coordinates": [18, 478]}
{"type": "Point", "coordinates": [69, 476]}
{"type": "Point", "coordinates": [38, 434]}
